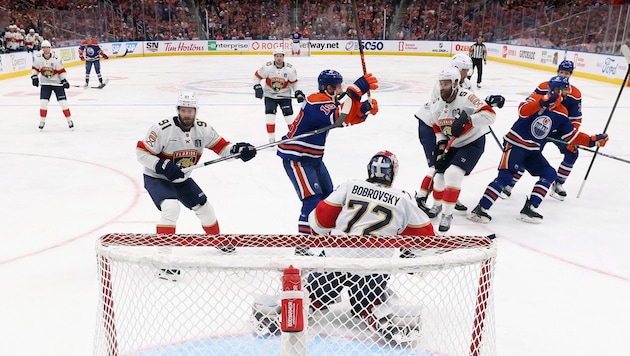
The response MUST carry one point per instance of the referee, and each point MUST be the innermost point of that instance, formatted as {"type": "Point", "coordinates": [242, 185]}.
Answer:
{"type": "Point", "coordinates": [478, 53]}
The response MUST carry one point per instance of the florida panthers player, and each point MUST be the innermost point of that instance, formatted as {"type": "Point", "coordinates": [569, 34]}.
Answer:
{"type": "Point", "coordinates": [175, 143]}
{"type": "Point", "coordinates": [296, 38]}
{"type": "Point", "coordinates": [91, 53]}
{"type": "Point", "coordinates": [540, 116]}
{"type": "Point", "coordinates": [49, 73]}
{"type": "Point", "coordinates": [573, 103]}
{"type": "Point", "coordinates": [279, 79]}
{"type": "Point", "coordinates": [427, 137]}
{"type": "Point", "coordinates": [460, 121]}
{"type": "Point", "coordinates": [364, 207]}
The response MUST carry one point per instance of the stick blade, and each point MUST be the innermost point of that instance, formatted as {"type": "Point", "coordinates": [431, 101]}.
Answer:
{"type": "Point", "coordinates": [626, 52]}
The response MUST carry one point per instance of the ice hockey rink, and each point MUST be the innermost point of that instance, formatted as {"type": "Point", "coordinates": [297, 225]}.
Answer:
{"type": "Point", "coordinates": [562, 287]}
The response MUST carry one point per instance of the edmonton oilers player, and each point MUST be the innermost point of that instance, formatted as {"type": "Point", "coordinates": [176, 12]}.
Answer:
{"type": "Point", "coordinates": [302, 158]}
{"type": "Point", "coordinates": [91, 53]}
{"type": "Point", "coordinates": [539, 116]}
{"type": "Point", "coordinates": [573, 103]}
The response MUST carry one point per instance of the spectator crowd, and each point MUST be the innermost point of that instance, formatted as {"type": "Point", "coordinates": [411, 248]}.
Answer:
{"type": "Point", "coordinates": [571, 24]}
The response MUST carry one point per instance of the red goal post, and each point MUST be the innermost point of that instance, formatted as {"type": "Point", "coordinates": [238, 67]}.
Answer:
{"type": "Point", "coordinates": [210, 310]}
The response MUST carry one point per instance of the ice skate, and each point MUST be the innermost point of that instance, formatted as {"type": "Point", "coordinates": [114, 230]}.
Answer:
{"type": "Point", "coordinates": [445, 222]}
{"type": "Point", "coordinates": [41, 124]}
{"type": "Point", "coordinates": [70, 124]}
{"type": "Point", "coordinates": [434, 211]}
{"type": "Point", "coordinates": [479, 214]}
{"type": "Point", "coordinates": [460, 208]}
{"type": "Point", "coordinates": [557, 191]}
{"type": "Point", "coordinates": [506, 192]}
{"type": "Point", "coordinates": [528, 214]}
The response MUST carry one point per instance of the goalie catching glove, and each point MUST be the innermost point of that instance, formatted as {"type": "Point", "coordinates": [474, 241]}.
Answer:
{"type": "Point", "coordinates": [362, 85]}
{"type": "Point", "coordinates": [169, 169]}
{"type": "Point", "coordinates": [245, 150]}
{"type": "Point", "coordinates": [459, 125]}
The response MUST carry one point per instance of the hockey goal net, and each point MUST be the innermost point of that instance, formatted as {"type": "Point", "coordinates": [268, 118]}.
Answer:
{"type": "Point", "coordinates": [434, 295]}
{"type": "Point", "coordinates": [289, 50]}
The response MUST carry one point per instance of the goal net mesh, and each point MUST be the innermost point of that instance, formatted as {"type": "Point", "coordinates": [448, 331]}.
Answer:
{"type": "Point", "coordinates": [435, 293]}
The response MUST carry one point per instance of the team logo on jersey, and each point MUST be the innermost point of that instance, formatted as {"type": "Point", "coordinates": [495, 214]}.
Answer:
{"type": "Point", "coordinates": [48, 72]}
{"type": "Point", "coordinates": [185, 158]}
{"type": "Point", "coordinates": [541, 127]}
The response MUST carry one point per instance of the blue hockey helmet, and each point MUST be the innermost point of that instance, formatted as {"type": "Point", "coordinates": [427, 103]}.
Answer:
{"type": "Point", "coordinates": [559, 82]}
{"type": "Point", "coordinates": [567, 65]}
{"type": "Point", "coordinates": [382, 168]}
{"type": "Point", "coordinates": [328, 77]}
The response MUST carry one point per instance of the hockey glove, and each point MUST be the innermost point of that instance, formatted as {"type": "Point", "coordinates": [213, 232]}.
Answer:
{"type": "Point", "coordinates": [82, 58]}
{"type": "Point", "coordinates": [169, 169]}
{"type": "Point", "coordinates": [65, 83]}
{"type": "Point", "coordinates": [362, 85]}
{"type": "Point", "coordinates": [598, 140]}
{"type": "Point", "coordinates": [458, 126]}
{"type": "Point", "coordinates": [299, 95]}
{"type": "Point", "coordinates": [369, 107]}
{"type": "Point", "coordinates": [548, 99]}
{"type": "Point", "coordinates": [246, 150]}
{"type": "Point", "coordinates": [495, 100]}
{"type": "Point", "coordinates": [572, 148]}
{"type": "Point", "coordinates": [35, 80]}
{"type": "Point", "coordinates": [258, 91]}
{"type": "Point", "coordinates": [104, 56]}
{"type": "Point", "coordinates": [440, 147]}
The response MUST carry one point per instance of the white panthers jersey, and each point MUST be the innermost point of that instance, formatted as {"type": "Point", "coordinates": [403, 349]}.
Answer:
{"type": "Point", "coordinates": [481, 115]}
{"type": "Point", "coordinates": [368, 209]}
{"type": "Point", "coordinates": [167, 140]}
{"type": "Point", "coordinates": [50, 70]}
{"type": "Point", "coordinates": [424, 112]}
{"type": "Point", "coordinates": [278, 82]}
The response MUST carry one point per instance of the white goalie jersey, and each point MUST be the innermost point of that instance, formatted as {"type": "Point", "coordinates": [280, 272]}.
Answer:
{"type": "Point", "coordinates": [358, 207]}
{"type": "Point", "coordinates": [278, 83]}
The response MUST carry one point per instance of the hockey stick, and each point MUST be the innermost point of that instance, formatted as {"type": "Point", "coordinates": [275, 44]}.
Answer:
{"type": "Point", "coordinates": [551, 139]}
{"type": "Point", "coordinates": [356, 25]}
{"type": "Point", "coordinates": [337, 123]}
{"type": "Point", "coordinates": [496, 139]}
{"type": "Point", "coordinates": [626, 53]}
{"type": "Point", "coordinates": [124, 54]}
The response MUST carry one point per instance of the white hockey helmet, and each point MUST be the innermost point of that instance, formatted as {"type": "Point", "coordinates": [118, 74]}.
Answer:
{"type": "Point", "coordinates": [461, 62]}
{"type": "Point", "coordinates": [278, 51]}
{"type": "Point", "coordinates": [45, 43]}
{"type": "Point", "coordinates": [450, 73]}
{"type": "Point", "coordinates": [187, 99]}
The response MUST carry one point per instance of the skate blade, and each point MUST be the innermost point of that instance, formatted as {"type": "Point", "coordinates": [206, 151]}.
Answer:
{"type": "Point", "coordinates": [527, 219]}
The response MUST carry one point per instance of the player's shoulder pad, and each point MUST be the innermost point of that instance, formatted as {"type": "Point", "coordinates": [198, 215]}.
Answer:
{"type": "Point", "coordinates": [575, 92]}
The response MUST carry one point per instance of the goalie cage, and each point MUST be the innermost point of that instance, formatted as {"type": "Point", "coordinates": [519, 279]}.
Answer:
{"type": "Point", "coordinates": [305, 47]}
{"type": "Point", "coordinates": [209, 309]}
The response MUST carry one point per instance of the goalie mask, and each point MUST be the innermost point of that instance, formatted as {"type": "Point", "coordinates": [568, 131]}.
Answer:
{"type": "Point", "coordinates": [382, 168]}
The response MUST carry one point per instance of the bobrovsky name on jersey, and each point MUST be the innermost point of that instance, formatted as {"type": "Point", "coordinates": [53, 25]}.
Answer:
{"type": "Point", "coordinates": [346, 45]}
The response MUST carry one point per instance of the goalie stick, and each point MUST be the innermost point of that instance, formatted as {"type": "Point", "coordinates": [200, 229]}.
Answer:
{"type": "Point", "coordinates": [551, 139]}
{"type": "Point", "coordinates": [337, 123]}
{"type": "Point", "coordinates": [626, 53]}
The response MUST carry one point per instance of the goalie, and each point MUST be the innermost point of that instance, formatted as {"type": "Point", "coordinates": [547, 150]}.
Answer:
{"type": "Point", "coordinates": [371, 207]}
